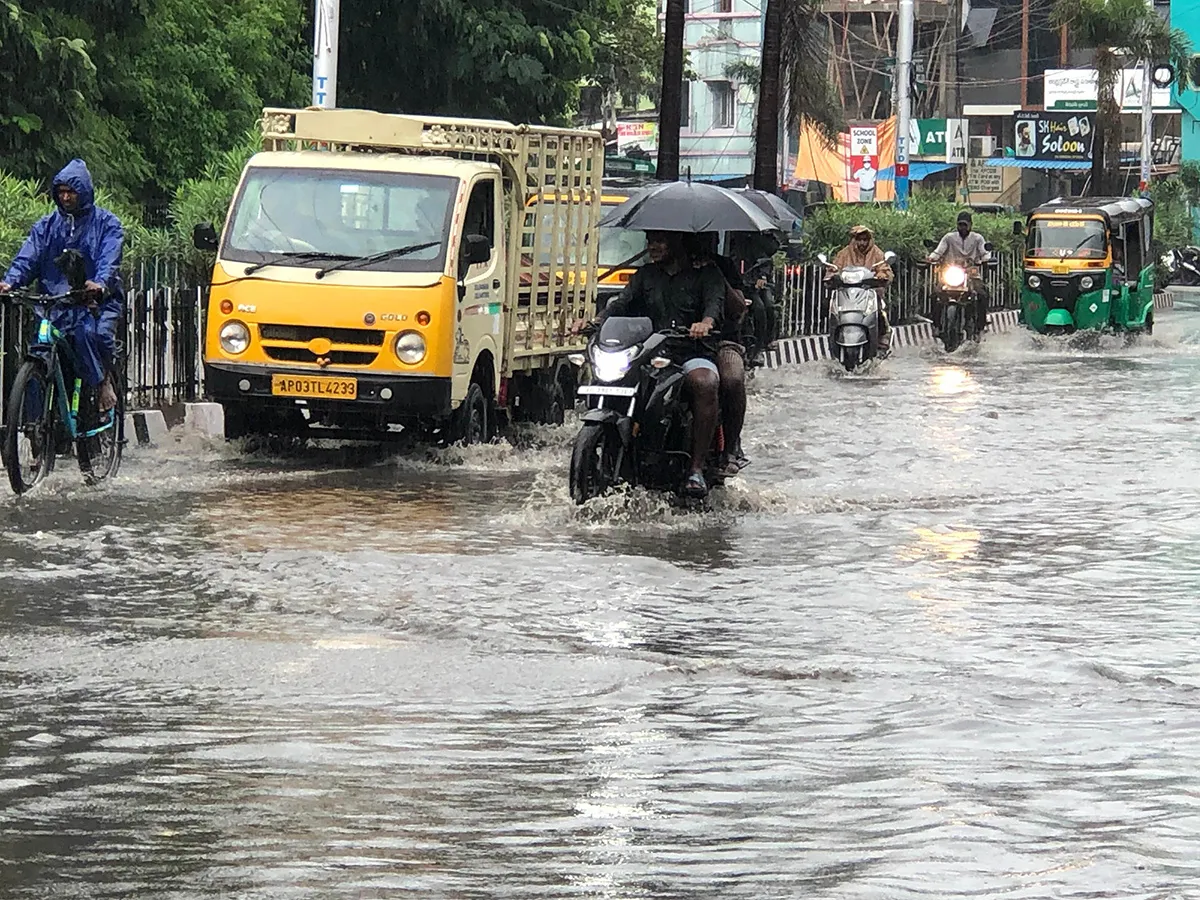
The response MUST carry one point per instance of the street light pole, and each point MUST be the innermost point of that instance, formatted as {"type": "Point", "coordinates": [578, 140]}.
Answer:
{"type": "Point", "coordinates": [904, 53]}
{"type": "Point", "coordinates": [325, 53]}
{"type": "Point", "coordinates": [1147, 122]}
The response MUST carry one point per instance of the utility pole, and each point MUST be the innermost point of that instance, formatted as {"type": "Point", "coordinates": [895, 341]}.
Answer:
{"type": "Point", "coordinates": [904, 54]}
{"type": "Point", "coordinates": [1147, 115]}
{"type": "Point", "coordinates": [670, 103]}
{"type": "Point", "coordinates": [1024, 53]}
{"type": "Point", "coordinates": [325, 53]}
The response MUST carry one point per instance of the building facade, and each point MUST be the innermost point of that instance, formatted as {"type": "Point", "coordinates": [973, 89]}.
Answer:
{"type": "Point", "coordinates": [723, 44]}
{"type": "Point", "coordinates": [1185, 15]}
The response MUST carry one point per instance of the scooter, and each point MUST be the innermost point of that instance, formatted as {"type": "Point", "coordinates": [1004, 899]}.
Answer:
{"type": "Point", "coordinates": [854, 319]}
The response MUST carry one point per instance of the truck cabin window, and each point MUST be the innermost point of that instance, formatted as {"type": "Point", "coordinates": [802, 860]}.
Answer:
{"type": "Point", "coordinates": [324, 211]}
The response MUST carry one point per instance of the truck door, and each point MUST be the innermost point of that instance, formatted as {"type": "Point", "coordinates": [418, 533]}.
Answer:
{"type": "Point", "coordinates": [481, 307]}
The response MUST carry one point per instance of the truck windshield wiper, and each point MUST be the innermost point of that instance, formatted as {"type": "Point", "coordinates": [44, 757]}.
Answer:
{"type": "Point", "coordinates": [294, 256]}
{"type": "Point", "coordinates": [377, 257]}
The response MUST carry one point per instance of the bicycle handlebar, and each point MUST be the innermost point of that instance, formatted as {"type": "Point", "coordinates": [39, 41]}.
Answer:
{"type": "Point", "coordinates": [28, 298]}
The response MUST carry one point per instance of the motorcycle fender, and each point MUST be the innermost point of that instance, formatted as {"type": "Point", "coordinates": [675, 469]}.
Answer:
{"type": "Point", "coordinates": [601, 417]}
{"type": "Point", "coordinates": [1059, 317]}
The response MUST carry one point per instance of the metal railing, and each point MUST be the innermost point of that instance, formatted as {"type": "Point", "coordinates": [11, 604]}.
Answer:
{"type": "Point", "coordinates": [805, 305]}
{"type": "Point", "coordinates": [160, 338]}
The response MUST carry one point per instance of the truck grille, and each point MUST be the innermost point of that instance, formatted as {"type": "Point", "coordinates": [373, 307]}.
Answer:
{"type": "Point", "coordinates": [335, 357]}
{"type": "Point", "coordinates": [302, 334]}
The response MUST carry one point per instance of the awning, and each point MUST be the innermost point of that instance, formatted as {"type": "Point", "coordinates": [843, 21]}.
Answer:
{"type": "Point", "coordinates": [1008, 162]}
{"type": "Point", "coordinates": [916, 170]}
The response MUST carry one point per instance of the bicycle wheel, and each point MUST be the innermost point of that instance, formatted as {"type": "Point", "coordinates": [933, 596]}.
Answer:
{"type": "Point", "coordinates": [29, 430]}
{"type": "Point", "coordinates": [98, 447]}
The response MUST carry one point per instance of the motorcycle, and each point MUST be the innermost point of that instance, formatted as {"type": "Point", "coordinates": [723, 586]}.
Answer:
{"type": "Point", "coordinates": [638, 425]}
{"type": "Point", "coordinates": [761, 329]}
{"type": "Point", "coordinates": [854, 319]}
{"type": "Point", "coordinates": [1183, 264]}
{"type": "Point", "coordinates": [952, 287]}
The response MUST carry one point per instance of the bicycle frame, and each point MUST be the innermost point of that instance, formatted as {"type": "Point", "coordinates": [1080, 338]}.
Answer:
{"type": "Point", "coordinates": [45, 348]}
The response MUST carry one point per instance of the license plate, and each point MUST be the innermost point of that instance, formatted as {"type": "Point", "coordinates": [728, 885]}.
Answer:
{"type": "Point", "coordinates": [316, 388]}
{"type": "Point", "coordinates": [600, 390]}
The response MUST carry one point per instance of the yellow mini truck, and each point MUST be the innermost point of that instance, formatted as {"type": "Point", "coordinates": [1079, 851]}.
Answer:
{"type": "Point", "coordinates": [370, 276]}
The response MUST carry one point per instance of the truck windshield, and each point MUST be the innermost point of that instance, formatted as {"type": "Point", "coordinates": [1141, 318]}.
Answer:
{"type": "Point", "coordinates": [1062, 238]}
{"type": "Point", "coordinates": [281, 214]}
{"type": "Point", "coordinates": [618, 244]}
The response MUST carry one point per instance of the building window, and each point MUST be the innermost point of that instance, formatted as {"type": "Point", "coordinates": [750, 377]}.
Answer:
{"type": "Point", "coordinates": [685, 101]}
{"type": "Point", "coordinates": [722, 104]}
{"type": "Point", "coordinates": [724, 6]}
{"type": "Point", "coordinates": [724, 29]}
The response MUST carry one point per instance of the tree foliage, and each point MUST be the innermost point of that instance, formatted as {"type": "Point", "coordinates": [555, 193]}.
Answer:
{"type": "Point", "coordinates": [628, 51]}
{"type": "Point", "coordinates": [521, 60]}
{"type": "Point", "coordinates": [147, 91]}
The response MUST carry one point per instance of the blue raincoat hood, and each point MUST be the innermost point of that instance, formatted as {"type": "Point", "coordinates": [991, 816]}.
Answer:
{"type": "Point", "coordinates": [76, 176]}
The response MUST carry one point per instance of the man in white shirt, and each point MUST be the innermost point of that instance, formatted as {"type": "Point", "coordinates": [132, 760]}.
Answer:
{"type": "Point", "coordinates": [966, 248]}
{"type": "Point", "coordinates": [866, 182]}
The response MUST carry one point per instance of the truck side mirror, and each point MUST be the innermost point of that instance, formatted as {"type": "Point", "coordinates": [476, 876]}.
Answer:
{"type": "Point", "coordinates": [204, 237]}
{"type": "Point", "coordinates": [1018, 228]}
{"type": "Point", "coordinates": [475, 250]}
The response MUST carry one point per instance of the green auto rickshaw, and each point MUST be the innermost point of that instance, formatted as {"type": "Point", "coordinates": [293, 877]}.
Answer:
{"type": "Point", "coordinates": [1088, 266]}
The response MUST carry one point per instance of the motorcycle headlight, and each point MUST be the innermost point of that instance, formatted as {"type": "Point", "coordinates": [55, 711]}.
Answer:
{"type": "Point", "coordinates": [1034, 282]}
{"type": "Point", "coordinates": [235, 337]}
{"type": "Point", "coordinates": [1086, 282]}
{"type": "Point", "coordinates": [611, 365]}
{"type": "Point", "coordinates": [954, 276]}
{"type": "Point", "coordinates": [410, 347]}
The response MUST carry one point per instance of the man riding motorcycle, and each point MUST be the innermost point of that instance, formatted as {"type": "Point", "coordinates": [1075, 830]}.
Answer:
{"type": "Point", "coordinates": [863, 251]}
{"type": "Point", "coordinates": [78, 224]}
{"type": "Point", "coordinates": [964, 247]}
{"type": "Point", "coordinates": [671, 291]}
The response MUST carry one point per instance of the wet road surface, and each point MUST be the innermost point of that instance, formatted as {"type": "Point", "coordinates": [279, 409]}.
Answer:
{"type": "Point", "coordinates": [939, 642]}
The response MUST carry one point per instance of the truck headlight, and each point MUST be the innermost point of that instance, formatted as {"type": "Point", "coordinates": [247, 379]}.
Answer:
{"type": "Point", "coordinates": [410, 347]}
{"type": "Point", "coordinates": [235, 337]}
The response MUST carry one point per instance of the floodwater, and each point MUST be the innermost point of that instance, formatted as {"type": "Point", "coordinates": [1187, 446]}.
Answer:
{"type": "Point", "coordinates": [939, 641]}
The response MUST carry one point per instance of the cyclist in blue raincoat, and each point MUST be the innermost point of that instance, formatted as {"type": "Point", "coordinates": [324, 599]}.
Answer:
{"type": "Point", "coordinates": [78, 224]}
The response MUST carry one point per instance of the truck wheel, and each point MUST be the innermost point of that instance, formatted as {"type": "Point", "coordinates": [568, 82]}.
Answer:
{"type": "Point", "coordinates": [471, 418]}
{"type": "Point", "coordinates": [235, 422]}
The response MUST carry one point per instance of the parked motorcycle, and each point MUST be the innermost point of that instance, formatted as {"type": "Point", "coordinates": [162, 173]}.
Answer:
{"type": "Point", "coordinates": [1183, 264]}
{"type": "Point", "coordinates": [638, 425]}
{"type": "Point", "coordinates": [854, 319]}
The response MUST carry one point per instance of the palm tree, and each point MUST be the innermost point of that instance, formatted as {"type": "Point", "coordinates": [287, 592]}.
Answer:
{"type": "Point", "coordinates": [794, 64]}
{"type": "Point", "coordinates": [1121, 31]}
{"type": "Point", "coordinates": [670, 104]}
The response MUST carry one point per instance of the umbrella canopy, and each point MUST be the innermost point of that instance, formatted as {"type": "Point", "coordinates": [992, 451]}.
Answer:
{"type": "Point", "coordinates": [689, 207]}
{"type": "Point", "coordinates": [785, 217]}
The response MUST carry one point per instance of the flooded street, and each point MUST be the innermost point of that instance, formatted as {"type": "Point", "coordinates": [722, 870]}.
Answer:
{"type": "Point", "coordinates": [940, 641]}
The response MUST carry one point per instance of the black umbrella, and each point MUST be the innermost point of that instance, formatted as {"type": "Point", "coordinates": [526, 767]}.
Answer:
{"type": "Point", "coordinates": [785, 217]}
{"type": "Point", "coordinates": [689, 207]}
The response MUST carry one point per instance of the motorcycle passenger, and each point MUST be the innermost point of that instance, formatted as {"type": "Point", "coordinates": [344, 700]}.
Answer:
{"type": "Point", "coordinates": [671, 291]}
{"type": "Point", "coordinates": [731, 362]}
{"type": "Point", "coordinates": [78, 224]}
{"type": "Point", "coordinates": [863, 251]}
{"type": "Point", "coordinates": [964, 247]}
{"type": "Point", "coordinates": [750, 248]}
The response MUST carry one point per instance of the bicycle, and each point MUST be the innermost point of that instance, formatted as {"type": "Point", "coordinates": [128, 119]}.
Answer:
{"type": "Point", "coordinates": [42, 422]}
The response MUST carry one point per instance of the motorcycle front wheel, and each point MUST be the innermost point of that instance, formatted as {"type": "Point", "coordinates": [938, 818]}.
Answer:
{"type": "Point", "coordinates": [952, 329]}
{"type": "Point", "coordinates": [593, 462]}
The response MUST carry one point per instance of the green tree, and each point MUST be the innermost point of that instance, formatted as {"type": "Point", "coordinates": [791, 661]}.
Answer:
{"type": "Point", "coordinates": [1120, 31]}
{"type": "Point", "coordinates": [522, 60]}
{"type": "Point", "coordinates": [794, 64]}
{"type": "Point", "coordinates": [628, 52]}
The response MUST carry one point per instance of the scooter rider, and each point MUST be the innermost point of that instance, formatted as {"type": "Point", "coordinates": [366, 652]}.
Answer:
{"type": "Point", "coordinates": [863, 251]}
{"type": "Point", "coordinates": [966, 248]}
{"type": "Point", "coordinates": [671, 291]}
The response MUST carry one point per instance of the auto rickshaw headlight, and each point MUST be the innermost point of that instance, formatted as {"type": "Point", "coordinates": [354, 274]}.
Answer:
{"type": "Point", "coordinates": [235, 337]}
{"type": "Point", "coordinates": [410, 347]}
{"type": "Point", "coordinates": [1086, 282]}
{"type": "Point", "coordinates": [1035, 282]}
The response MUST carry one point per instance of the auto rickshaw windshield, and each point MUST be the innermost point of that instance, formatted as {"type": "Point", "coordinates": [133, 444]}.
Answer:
{"type": "Point", "coordinates": [1064, 238]}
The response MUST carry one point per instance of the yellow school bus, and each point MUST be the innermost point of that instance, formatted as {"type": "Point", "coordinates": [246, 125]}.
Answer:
{"type": "Point", "coordinates": [369, 276]}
